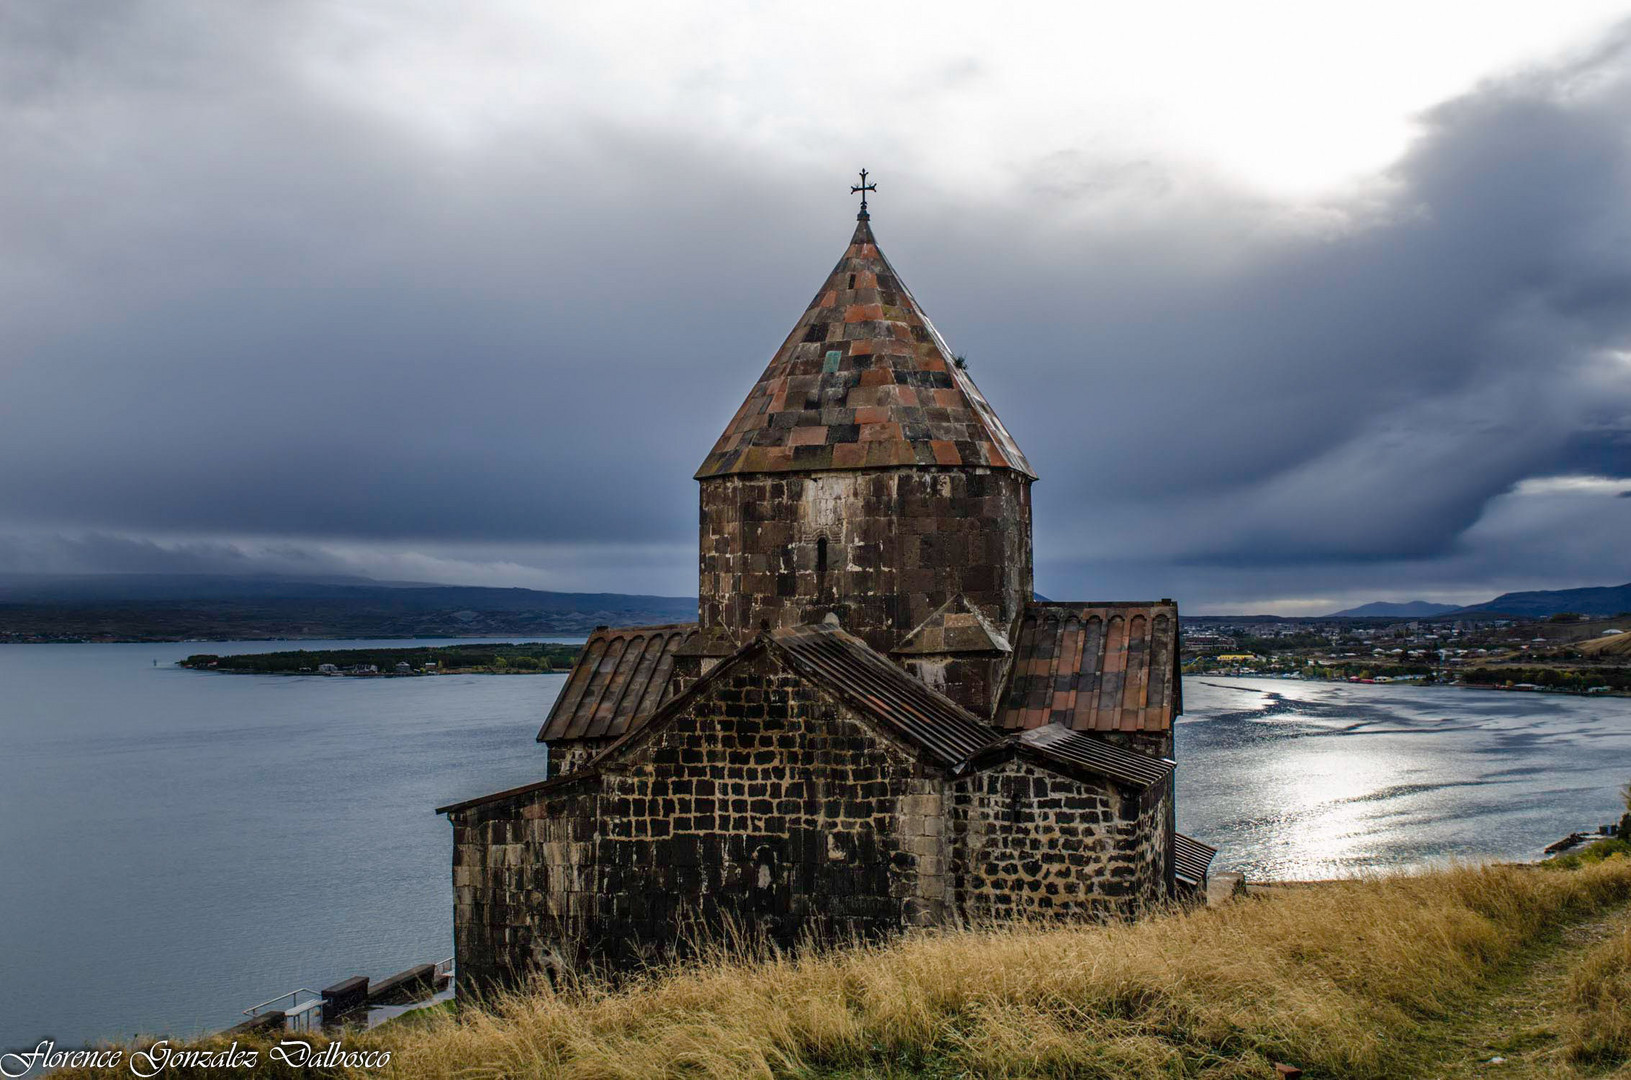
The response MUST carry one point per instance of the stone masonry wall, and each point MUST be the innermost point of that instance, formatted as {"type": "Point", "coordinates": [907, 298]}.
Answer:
{"type": "Point", "coordinates": [883, 548]}
{"type": "Point", "coordinates": [1157, 821]}
{"type": "Point", "coordinates": [569, 756]}
{"type": "Point", "coordinates": [524, 883]}
{"type": "Point", "coordinates": [770, 805]}
{"type": "Point", "coordinates": [974, 682]}
{"type": "Point", "coordinates": [1030, 842]}
{"type": "Point", "coordinates": [1154, 743]}
{"type": "Point", "coordinates": [767, 804]}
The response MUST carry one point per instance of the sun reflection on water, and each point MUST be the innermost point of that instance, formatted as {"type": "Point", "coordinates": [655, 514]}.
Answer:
{"type": "Point", "coordinates": [1314, 780]}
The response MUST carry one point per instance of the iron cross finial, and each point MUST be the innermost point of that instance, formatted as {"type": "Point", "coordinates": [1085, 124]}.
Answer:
{"type": "Point", "coordinates": [862, 188]}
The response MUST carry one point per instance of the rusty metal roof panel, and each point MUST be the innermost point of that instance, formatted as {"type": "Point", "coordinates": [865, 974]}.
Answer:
{"type": "Point", "coordinates": [1094, 667]}
{"type": "Point", "coordinates": [1191, 858]}
{"type": "Point", "coordinates": [863, 381]}
{"type": "Point", "coordinates": [1095, 755]}
{"type": "Point", "coordinates": [620, 679]}
{"type": "Point", "coordinates": [850, 668]}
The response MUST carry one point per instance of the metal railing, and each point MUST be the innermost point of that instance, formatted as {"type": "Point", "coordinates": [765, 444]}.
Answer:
{"type": "Point", "coordinates": [302, 1009]}
{"type": "Point", "coordinates": [298, 1015]}
{"type": "Point", "coordinates": [292, 997]}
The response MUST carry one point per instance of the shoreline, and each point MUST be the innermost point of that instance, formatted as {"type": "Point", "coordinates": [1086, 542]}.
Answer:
{"type": "Point", "coordinates": [1407, 681]}
{"type": "Point", "coordinates": [372, 674]}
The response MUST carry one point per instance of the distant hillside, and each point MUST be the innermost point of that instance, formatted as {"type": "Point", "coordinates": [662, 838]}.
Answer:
{"type": "Point", "coordinates": [1412, 609]}
{"type": "Point", "coordinates": [1608, 646]}
{"type": "Point", "coordinates": [1603, 600]}
{"type": "Point", "coordinates": [157, 607]}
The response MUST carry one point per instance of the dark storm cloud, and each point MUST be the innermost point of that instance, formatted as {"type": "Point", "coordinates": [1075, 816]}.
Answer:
{"type": "Point", "coordinates": [236, 305]}
{"type": "Point", "coordinates": [96, 552]}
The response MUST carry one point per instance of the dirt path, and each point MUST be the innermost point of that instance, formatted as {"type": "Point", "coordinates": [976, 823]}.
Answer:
{"type": "Point", "coordinates": [1518, 1019]}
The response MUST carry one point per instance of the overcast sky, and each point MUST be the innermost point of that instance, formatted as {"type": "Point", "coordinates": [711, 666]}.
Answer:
{"type": "Point", "coordinates": [1290, 305]}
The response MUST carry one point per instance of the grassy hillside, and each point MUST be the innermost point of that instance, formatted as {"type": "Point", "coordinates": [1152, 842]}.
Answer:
{"type": "Point", "coordinates": [1603, 648]}
{"type": "Point", "coordinates": [1352, 979]}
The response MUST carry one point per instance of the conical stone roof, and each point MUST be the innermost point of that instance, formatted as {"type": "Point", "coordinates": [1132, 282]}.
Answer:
{"type": "Point", "coordinates": [864, 381]}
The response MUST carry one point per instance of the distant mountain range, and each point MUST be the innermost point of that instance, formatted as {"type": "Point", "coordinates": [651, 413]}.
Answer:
{"type": "Point", "coordinates": [172, 607]}
{"type": "Point", "coordinates": [178, 607]}
{"type": "Point", "coordinates": [1413, 609]}
{"type": "Point", "coordinates": [1602, 600]}
{"type": "Point", "coordinates": [1599, 600]}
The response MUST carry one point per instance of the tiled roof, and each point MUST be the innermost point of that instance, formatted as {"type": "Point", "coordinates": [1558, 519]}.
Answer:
{"type": "Point", "coordinates": [851, 669]}
{"type": "Point", "coordinates": [954, 627]}
{"type": "Point", "coordinates": [1191, 858]}
{"type": "Point", "coordinates": [1095, 667]}
{"type": "Point", "coordinates": [1097, 756]}
{"type": "Point", "coordinates": [863, 381]}
{"type": "Point", "coordinates": [620, 679]}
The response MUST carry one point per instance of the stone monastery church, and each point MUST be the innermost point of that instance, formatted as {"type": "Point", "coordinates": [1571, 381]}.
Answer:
{"type": "Point", "coordinates": [873, 724]}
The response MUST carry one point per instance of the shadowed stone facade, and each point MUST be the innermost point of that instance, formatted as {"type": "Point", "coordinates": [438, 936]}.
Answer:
{"type": "Point", "coordinates": [767, 798]}
{"type": "Point", "coordinates": [1030, 841]}
{"type": "Point", "coordinates": [873, 725]}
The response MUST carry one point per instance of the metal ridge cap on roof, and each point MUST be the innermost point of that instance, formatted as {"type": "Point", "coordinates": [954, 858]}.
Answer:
{"type": "Point", "coordinates": [819, 654]}
{"type": "Point", "coordinates": [1088, 751]}
{"type": "Point", "coordinates": [933, 721]}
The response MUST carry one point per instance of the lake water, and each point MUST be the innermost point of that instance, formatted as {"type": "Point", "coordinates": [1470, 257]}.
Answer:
{"type": "Point", "coordinates": [181, 845]}
{"type": "Point", "coordinates": [1310, 780]}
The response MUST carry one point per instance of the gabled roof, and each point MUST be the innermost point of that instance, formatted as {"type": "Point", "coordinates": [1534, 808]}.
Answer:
{"type": "Point", "coordinates": [621, 678]}
{"type": "Point", "coordinates": [852, 670]}
{"type": "Point", "coordinates": [954, 627]}
{"type": "Point", "coordinates": [1095, 667]}
{"type": "Point", "coordinates": [833, 660]}
{"type": "Point", "coordinates": [1190, 858]}
{"type": "Point", "coordinates": [714, 642]}
{"type": "Point", "coordinates": [863, 381]}
{"type": "Point", "coordinates": [1095, 755]}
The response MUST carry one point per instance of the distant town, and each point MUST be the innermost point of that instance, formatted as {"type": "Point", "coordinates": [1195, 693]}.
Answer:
{"type": "Point", "coordinates": [1565, 652]}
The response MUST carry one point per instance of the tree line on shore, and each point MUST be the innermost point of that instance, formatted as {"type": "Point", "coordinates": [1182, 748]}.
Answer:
{"type": "Point", "coordinates": [498, 657]}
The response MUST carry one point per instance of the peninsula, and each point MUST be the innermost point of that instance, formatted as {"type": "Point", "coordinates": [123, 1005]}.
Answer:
{"type": "Point", "coordinates": [531, 658]}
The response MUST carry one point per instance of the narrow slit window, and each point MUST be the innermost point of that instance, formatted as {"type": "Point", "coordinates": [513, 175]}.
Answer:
{"type": "Point", "coordinates": [821, 555]}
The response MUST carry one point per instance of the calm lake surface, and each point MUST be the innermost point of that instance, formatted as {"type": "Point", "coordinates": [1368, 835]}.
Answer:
{"type": "Point", "coordinates": [181, 845]}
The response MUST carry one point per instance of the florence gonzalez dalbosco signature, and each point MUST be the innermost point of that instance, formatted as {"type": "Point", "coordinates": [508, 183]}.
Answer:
{"type": "Point", "coordinates": [160, 1056]}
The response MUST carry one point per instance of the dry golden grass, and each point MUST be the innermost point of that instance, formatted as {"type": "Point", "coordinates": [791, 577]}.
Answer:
{"type": "Point", "coordinates": [1334, 978]}
{"type": "Point", "coordinates": [1598, 1025]}
{"type": "Point", "coordinates": [1615, 645]}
